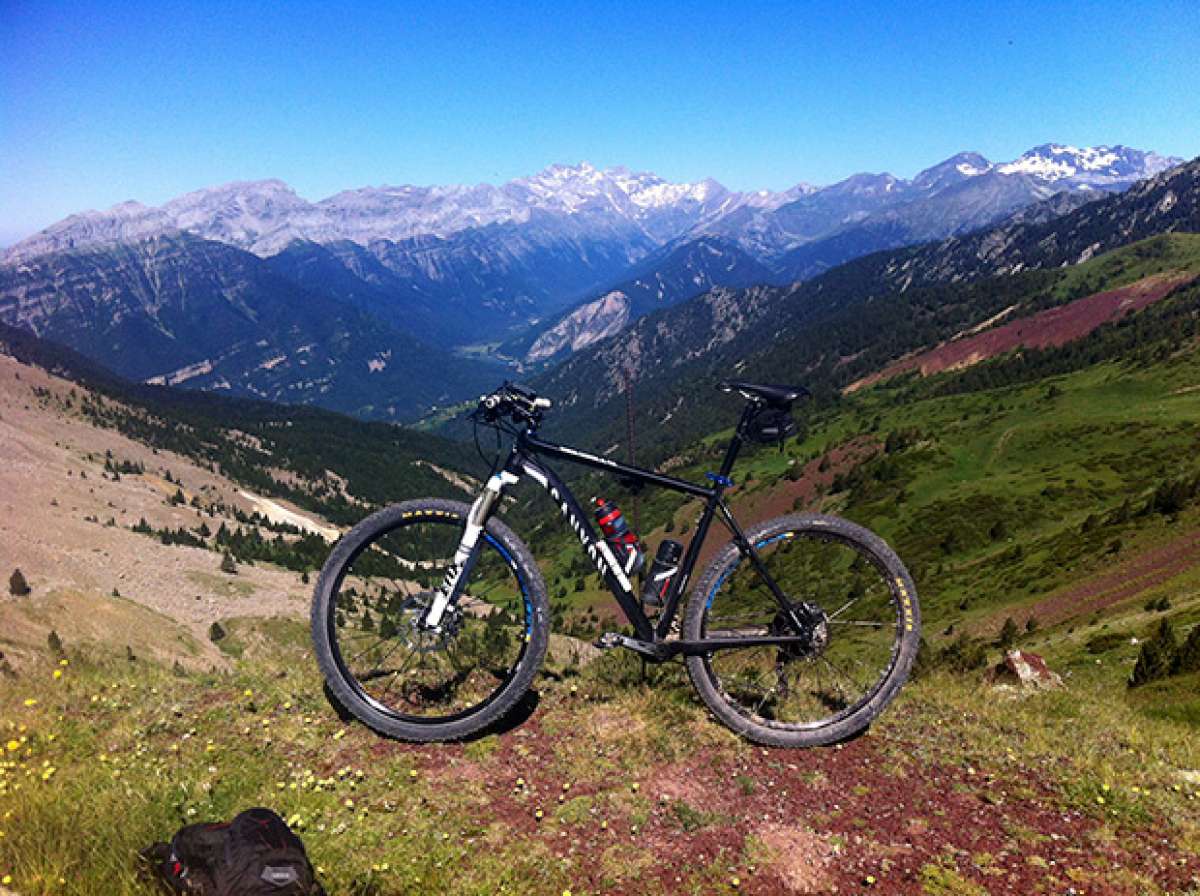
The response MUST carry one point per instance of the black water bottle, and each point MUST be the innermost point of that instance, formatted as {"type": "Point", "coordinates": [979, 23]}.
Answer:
{"type": "Point", "coordinates": [624, 543]}
{"type": "Point", "coordinates": [662, 572]}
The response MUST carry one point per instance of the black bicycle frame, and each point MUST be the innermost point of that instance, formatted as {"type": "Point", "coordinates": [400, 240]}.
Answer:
{"type": "Point", "coordinates": [650, 636]}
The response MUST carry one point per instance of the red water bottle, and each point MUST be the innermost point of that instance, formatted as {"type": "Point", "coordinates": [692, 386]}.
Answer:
{"type": "Point", "coordinates": [624, 543]}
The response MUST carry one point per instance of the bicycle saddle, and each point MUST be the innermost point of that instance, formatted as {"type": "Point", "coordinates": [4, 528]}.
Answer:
{"type": "Point", "coordinates": [773, 395]}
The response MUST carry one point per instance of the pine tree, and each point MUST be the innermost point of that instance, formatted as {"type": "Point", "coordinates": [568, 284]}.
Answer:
{"type": "Point", "coordinates": [216, 632]}
{"type": "Point", "coordinates": [1008, 634]}
{"type": "Point", "coordinates": [54, 642]}
{"type": "Point", "coordinates": [1187, 659]}
{"type": "Point", "coordinates": [1157, 656]}
{"type": "Point", "coordinates": [387, 628]}
{"type": "Point", "coordinates": [17, 586]}
{"type": "Point", "coordinates": [228, 565]}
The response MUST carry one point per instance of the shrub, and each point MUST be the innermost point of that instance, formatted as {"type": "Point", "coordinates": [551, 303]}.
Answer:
{"type": "Point", "coordinates": [55, 644]}
{"type": "Point", "coordinates": [216, 632]}
{"type": "Point", "coordinates": [1008, 634]}
{"type": "Point", "coordinates": [17, 586]}
{"type": "Point", "coordinates": [963, 654]}
{"type": "Point", "coordinates": [1105, 642]}
{"type": "Point", "coordinates": [1187, 659]}
{"type": "Point", "coordinates": [1157, 656]}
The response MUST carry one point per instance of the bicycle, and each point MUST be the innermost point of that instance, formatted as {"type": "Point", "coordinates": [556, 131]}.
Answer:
{"type": "Point", "coordinates": [430, 617]}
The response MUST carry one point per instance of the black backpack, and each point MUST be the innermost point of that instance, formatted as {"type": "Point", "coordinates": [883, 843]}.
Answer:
{"type": "Point", "coordinates": [256, 854]}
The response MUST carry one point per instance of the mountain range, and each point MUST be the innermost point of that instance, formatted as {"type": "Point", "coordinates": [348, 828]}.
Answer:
{"type": "Point", "coordinates": [862, 313]}
{"type": "Point", "coordinates": [350, 302]}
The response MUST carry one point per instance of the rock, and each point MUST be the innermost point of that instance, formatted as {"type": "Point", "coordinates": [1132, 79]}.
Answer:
{"type": "Point", "coordinates": [1025, 669]}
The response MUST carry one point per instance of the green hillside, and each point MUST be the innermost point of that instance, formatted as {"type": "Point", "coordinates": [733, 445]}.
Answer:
{"type": "Point", "coordinates": [336, 465]}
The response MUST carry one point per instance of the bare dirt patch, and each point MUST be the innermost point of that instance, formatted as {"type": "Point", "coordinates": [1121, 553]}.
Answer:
{"type": "Point", "coordinates": [1046, 329]}
{"type": "Point", "coordinates": [798, 856]}
{"type": "Point", "coordinates": [65, 522]}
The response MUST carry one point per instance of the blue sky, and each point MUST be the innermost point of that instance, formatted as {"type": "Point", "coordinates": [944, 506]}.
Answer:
{"type": "Point", "coordinates": [105, 102]}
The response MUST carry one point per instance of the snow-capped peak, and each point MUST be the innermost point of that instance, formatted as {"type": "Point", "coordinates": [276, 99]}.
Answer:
{"type": "Point", "coordinates": [1087, 166]}
{"type": "Point", "coordinates": [264, 216]}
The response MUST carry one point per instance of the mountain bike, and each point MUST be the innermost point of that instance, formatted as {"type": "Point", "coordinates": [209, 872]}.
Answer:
{"type": "Point", "coordinates": [430, 617]}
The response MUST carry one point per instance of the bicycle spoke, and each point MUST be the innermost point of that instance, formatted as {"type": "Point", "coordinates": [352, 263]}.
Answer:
{"type": "Point", "coordinates": [861, 622]}
{"type": "Point", "coordinates": [428, 674]}
{"type": "Point", "coordinates": [801, 684]}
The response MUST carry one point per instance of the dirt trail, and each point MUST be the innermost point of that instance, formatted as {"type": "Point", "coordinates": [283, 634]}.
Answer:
{"type": "Point", "coordinates": [872, 815]}
{"type": "Point", "coordinates": [1132, 577]}
{"type": "Point", "coordinates": [278, 513]}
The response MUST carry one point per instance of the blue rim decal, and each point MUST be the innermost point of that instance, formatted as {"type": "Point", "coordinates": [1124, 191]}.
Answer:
{"type": "Point", "coordinates": [520, 581]}
{"type": "Point", "coordinates": [721, 581]}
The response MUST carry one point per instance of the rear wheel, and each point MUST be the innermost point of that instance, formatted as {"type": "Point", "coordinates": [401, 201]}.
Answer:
{"type": "Point", "coordinates": [859, 629]}
{"type": "Point", "coordinates": [387, 669]}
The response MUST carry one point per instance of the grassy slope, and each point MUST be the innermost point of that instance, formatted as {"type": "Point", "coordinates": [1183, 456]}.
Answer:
{"type": "Point", "coordinates": [1113, 432]}
{"type": "Point", "coordinates": [606, 777]}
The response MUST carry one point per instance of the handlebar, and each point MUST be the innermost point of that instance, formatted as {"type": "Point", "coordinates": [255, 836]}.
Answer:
{"type": "Point", "coordinates": [520, 403]}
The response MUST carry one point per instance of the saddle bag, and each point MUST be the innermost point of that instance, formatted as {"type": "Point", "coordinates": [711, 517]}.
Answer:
{"type": "Point", "coordinates": [770, 426]}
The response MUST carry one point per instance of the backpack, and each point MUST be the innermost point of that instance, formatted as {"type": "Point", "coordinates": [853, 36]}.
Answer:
{"type": "Point", "coordinates": [256, 854]}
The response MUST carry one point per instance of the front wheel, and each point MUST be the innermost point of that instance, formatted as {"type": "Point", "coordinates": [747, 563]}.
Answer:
{"type": "Point", "coordinates": [859, 627]}
{"type": "Point", "coordinates": [393, 673]}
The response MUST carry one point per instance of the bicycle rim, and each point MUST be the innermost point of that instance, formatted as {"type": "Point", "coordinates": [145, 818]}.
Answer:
{"type": "Point", "coordinates": [382, 652]}
{"type": "Point", "coordinates": [852, 645]}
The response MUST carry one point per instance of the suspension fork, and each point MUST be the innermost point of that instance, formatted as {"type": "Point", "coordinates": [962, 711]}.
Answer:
{"type": "Point", "coordinates": [467, 553]}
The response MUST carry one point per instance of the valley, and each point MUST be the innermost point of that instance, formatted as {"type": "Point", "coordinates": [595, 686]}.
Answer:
{"type": "Point", "coordinates": [1016, 410]}
{"type": "Point", "coordinates": [348, 302]}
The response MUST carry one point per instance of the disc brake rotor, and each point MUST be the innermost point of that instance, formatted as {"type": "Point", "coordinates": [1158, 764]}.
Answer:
{"type": "Point", "coordinates": [427, 640]}
{"type": "Point", "coordinates": [815, 629]}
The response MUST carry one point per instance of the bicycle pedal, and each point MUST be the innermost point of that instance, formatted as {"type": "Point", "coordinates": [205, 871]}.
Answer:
{"type": "Point", "coordinates": [607, 641]}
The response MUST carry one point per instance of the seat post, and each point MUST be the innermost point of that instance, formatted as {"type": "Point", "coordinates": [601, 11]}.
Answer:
{"type": "Point", "coordinates": [735, 444]}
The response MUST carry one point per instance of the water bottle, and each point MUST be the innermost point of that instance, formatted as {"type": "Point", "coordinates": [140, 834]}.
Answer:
{"type": "Point", "coordinates": [662, 571]}
{"type": "Point", "coordinates": [624, 543]}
